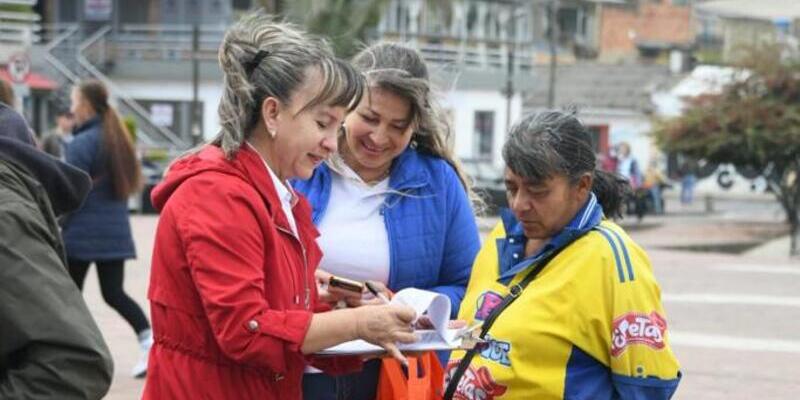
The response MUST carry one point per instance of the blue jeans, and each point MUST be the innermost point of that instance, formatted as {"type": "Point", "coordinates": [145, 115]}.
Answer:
{"type": "Point", "coordinates": [655, 195]}
{"type": "Point", "coordinates": [358, 386]}
{"type": "Point", "coordinates": [687, 188]}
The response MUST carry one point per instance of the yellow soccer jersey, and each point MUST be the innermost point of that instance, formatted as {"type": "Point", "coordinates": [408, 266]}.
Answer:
{"type": "Point", "coordinates": [590, 326]}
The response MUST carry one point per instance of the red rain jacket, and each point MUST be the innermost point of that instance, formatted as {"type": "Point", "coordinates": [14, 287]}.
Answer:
{"type": "Point", "coordinates": [232, 290]}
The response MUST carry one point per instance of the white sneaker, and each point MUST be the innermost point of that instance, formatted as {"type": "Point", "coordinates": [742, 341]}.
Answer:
{"type": "Point", "coordinates": [145, 343]}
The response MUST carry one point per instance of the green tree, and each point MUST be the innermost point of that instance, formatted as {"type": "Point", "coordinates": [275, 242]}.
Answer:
{"type": "Point", "coordinates": [754, 124]}
{"type": "Point", "coordinates": [16, 8]}
{"type": "Point", "coordinates": [345, 23]}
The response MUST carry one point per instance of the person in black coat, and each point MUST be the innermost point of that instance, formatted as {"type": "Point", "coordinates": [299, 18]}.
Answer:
{"type": "Point", "coordinates": [100, 231]}
{"type": "Point", "coordinates": [50, 347]}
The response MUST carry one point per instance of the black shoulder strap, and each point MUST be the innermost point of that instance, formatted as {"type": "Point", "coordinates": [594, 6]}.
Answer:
{"type": "Point", "coordinates": [514, 293]}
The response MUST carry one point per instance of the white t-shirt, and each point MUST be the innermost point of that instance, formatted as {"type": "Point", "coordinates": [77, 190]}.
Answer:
{"type": "Point", "coordinates": [285, 194]}
{"type": "Point", "coordinates": [353, 235]}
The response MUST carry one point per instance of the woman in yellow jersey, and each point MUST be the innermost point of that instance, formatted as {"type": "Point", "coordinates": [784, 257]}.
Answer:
{"type": "Point", "coordinates": [568, 303]}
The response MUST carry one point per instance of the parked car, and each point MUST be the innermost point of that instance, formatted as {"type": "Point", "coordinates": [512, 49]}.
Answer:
{"type": "Point", "coordinates": [488, 183]}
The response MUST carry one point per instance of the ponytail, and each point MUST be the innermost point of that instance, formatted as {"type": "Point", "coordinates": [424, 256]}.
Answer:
{"type": "Point", "coordinates": [118, 150]}
{"type": "Point", "coordinates": [611, 190]}
{"type": "Point", "coordinates": [123, 167]}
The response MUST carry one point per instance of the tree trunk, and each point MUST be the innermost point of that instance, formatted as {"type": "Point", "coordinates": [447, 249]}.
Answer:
{"type": "Point", "coordinates": [794, 233]}
{"type": "Point", "coordinates": [792, 183]}
{"type": "Point", "coordinates": [788, 197]}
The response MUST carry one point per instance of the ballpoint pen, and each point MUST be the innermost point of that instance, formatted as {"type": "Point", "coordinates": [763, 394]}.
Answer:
{"type": "Point", "coordinates": [375, 292]}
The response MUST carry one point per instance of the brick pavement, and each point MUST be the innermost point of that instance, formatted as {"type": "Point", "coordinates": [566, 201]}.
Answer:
{"type": "Point", "coordinates": [736, 342]}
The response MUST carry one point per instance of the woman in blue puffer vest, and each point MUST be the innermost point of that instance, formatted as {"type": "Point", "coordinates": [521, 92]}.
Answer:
{"type": "Point", "coordinates": [393, 206]}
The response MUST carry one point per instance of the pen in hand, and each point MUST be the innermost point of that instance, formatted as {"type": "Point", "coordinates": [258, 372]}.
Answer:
{"type": "Point", "coordinates": [375, 292]}
{"type": "Point", "coordinates": [382, 297]}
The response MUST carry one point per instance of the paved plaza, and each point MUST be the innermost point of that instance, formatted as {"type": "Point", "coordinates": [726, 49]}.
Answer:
{"type": "Point", "coordinates": [733, 317]}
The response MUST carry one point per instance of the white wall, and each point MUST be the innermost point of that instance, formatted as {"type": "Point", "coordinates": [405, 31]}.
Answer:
{"type": "Point", "coordinates": [464, 103]}
{"type": "Point", "coordinates": [628, 127]}
{"type": "Point", "coordinates": [209, 93]}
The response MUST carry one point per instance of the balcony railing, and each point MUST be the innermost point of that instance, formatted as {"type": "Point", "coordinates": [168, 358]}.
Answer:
{"type": "Point", "coordinates": [477, 58]}
{"type": "Point", "coordinates": [166, 42]}
{"type": "Point", "coordinates": [174, 43]}
{"type": "Point", "coordinates": [19, 28]}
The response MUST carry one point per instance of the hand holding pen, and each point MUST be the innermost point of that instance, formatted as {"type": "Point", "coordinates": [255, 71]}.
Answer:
{"type": "Point", "coordinates": [373, 288]}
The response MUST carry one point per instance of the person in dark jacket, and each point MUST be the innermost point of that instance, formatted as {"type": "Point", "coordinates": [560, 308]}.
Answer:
{"type": "Point", "coordinates": [50, 347]}
{"type": "Point", "coordinates": [100, 231]}
{"type": "Point", "coordinates": [57, 139]}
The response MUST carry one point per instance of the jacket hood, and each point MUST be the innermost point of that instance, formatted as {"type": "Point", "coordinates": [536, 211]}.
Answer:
{"type": "Point", "coordinates": [65, 185]}
{"type": "Point", "coordinates": [208, 158]}
{"type": "Point", "coordinates": [13, 125]}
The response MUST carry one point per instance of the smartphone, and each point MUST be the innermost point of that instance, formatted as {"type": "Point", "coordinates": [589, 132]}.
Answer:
{"type": "Point", "coordinates": [346, 284]}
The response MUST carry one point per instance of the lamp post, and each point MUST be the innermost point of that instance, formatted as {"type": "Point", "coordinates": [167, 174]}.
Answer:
{"type": "Point", "coordinates": [552, 13]}
{"type": "Point", "coordinates": [509, 88]}
{"type": "Point", "coordinates": [195, 120]}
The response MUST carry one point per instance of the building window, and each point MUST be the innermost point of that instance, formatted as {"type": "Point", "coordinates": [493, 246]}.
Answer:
{"type": "Point", "coordinates": [484, 134]}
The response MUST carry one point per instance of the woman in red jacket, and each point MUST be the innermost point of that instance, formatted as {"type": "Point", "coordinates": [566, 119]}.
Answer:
{"type": "Point", "coordinates": [232, 291]}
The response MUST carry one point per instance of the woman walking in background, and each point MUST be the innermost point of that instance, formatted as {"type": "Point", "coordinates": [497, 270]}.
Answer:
{"type": "Point", "coordinates": [100, 232]}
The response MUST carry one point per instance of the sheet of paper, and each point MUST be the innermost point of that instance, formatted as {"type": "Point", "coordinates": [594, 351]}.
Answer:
{"type": "Point", "coordinates": [434, 305]}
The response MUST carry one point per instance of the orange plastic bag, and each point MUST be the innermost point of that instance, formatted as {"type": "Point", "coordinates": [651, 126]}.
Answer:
{"type": "Point", "coordinates": [423, 382]}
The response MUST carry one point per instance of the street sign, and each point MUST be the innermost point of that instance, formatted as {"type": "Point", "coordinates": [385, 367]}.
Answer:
{"type": "Point", "coordinates": [19, 66]}
{"type": "Point", "coordinates": [97, 10]}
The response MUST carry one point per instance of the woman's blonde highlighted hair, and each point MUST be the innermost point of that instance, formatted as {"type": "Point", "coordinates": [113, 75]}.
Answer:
{"type": "Point", "coordinates": [261, 58]}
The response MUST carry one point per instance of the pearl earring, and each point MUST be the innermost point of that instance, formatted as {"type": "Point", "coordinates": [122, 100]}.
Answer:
{"type": "Point", "coordinates": [272, 133]}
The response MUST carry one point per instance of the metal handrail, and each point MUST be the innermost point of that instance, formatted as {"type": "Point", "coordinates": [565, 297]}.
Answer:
{"type": "Point", "coordinates": [119, 93]}
{"type": "Point", "coordinates": [167, 42]}
{"type": "Point", "coordinates": [52, 30]}
{"type": "Point", "coordinates": [176, 27]}
{"type": "Point", "coordinates": [469, 56]}
{"type": "Point", "coordinates": [20, 16]}
{"type": "Point", "coordinates": [58, 65]}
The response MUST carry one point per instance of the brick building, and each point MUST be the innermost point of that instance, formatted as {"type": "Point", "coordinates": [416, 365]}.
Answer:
{"type": "Point", "coordinates": [644, 27]}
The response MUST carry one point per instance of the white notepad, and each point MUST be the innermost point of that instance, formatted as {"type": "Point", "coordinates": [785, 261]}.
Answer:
{"type": "Point", "coordinates": [435, 305]}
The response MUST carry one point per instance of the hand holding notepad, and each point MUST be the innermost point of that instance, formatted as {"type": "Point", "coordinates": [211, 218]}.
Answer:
{"type": "Point", "coordinates": [437, 309]}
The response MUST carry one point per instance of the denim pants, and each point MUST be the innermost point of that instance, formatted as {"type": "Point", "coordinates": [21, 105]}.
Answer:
{"type": "Point", "coordinates": [358, 386]}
